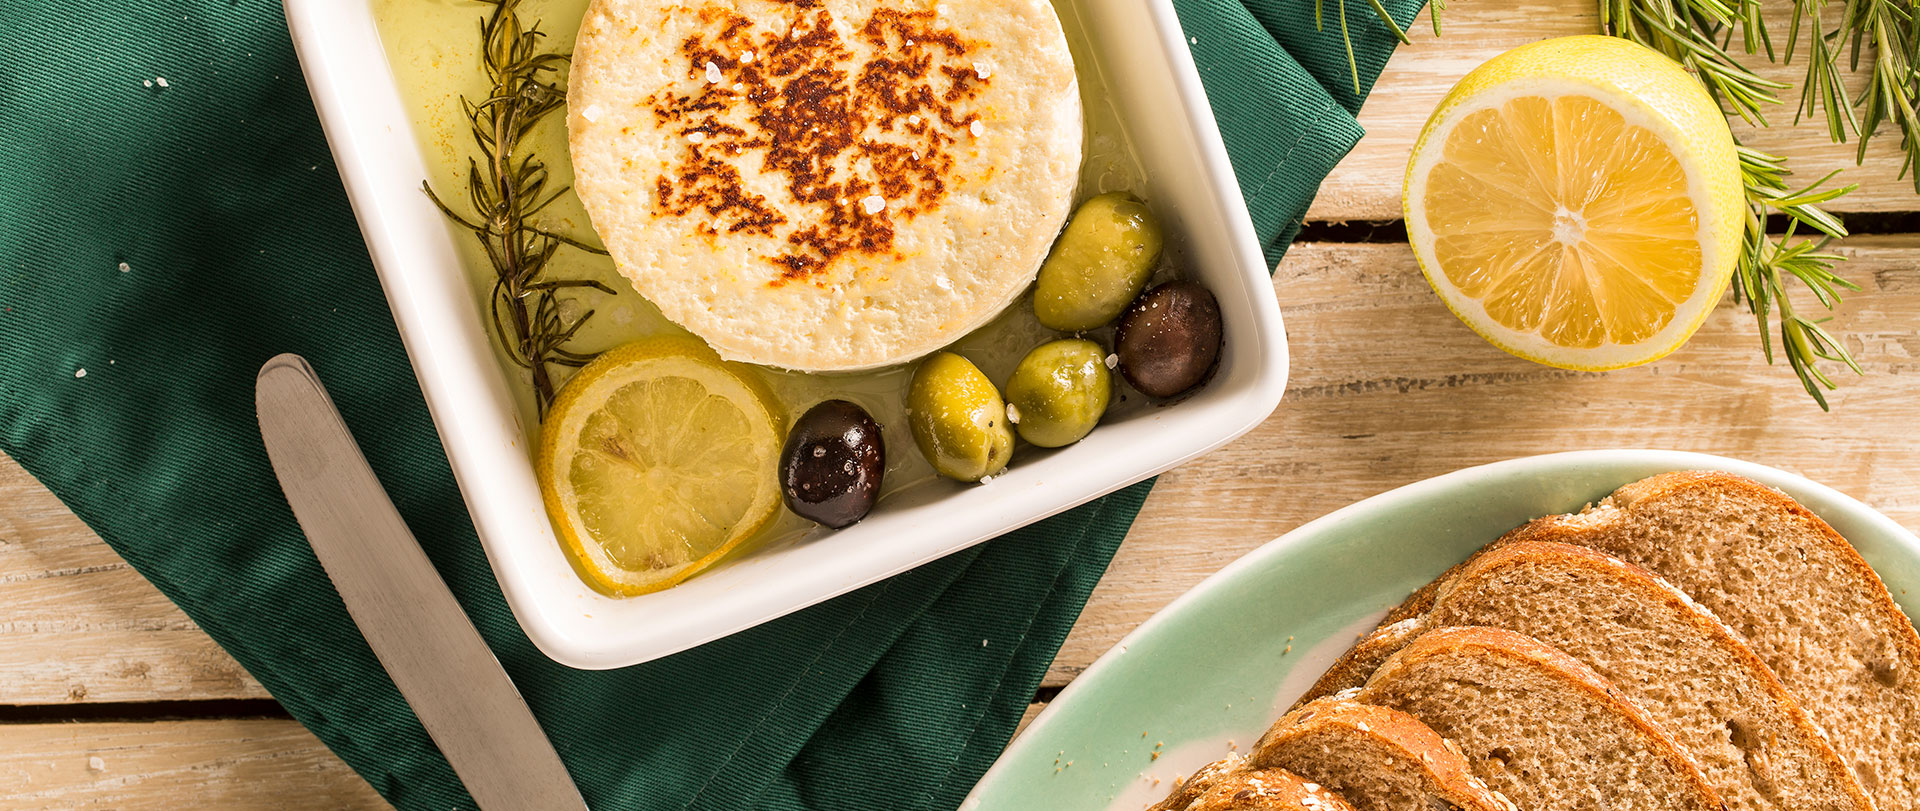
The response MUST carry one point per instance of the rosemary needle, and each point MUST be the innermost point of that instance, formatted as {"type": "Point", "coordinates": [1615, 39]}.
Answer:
{"type": "Point", "coordinates": [507, 185]}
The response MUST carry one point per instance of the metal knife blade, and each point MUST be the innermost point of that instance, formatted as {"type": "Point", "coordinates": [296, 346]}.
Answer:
{"type": "Point", "coordinates": [409, 617]}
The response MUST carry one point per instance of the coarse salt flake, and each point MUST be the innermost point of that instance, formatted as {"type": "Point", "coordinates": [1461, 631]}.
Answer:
{"type": "Point", "coordinates": [983, 70]}
{"type": "Point", "coordinates": [713, 73]}
{"type": "Point", "coordinates": [96, 763]}
{"type": "Point", "coordinates": [746, 57]}
{"type": "Point", "coordinates": [697, 136]}
{"type": "Point", "coordinates": [1013, 414]}
{"type": "Point", "coordinates": [78, 373]}
{"type": "Point", "coordinates": [1112, 361]}
{"type": "Point", "coordinates": [593, 112]}
{"type": "Point", "coordinates": [874, 204]}
{"type": "Point", "coordinates": [160, 80]}
{"type": "Point", "coordinates": [147, 82]}
{"type": "Point", "coordinates": [978, 129]}
{"type": "Point", "coordinates": [124, 267]}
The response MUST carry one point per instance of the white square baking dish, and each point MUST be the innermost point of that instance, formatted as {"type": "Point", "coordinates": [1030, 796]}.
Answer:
{"type": "Point", "coordinates": [1141, 52]}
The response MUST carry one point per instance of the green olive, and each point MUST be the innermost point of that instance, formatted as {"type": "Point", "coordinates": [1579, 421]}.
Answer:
{"type": "Point", "coordinates": [1098, 264]}
{"type": "Point", "coordinates": [1059, 391]}
{"type": "Point", "coordinates": [958, 419]}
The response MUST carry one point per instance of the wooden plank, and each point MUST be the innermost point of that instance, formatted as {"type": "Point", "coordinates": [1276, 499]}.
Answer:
{"type": "Point", "coordinates": [77, 624]}
{"type": "Point", "coordinates": [1366, 186]}
{"type": "Point", "coordinates": [169, 765]}
{"type": "Point", "coordinates": [1389, 388]}
{"type": "Point", "coordinates": [238, 764]}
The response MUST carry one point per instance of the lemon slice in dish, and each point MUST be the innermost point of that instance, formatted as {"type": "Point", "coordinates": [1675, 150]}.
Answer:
{"type": "Point", "coordinates": [1577, 202]}
{"type": "Point", "coordinates": [656, 460]}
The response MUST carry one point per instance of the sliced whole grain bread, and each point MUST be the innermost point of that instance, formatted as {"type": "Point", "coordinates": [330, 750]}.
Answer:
{"type": "Point", "coordinates": [1753, 741]}
{"type": "Point", "coordinates": [1784, 581]}
{"type": "Point", "coordinates": [1230, 785]}
{"type": "Point", "coordinates": [1538, 727]}
{"type": "Point", "coordinates": [1799, 594]}
{"type": "Point", "coordinates": [1379, 759]}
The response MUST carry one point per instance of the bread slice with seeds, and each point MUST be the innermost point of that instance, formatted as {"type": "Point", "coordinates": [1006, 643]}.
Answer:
{"type": "Point", "coordinates": [1366, 656]}
{"type": "Point", "coordinates": [1754, 742]}
{"type": "Point", "coordinates": [1230, 785]}
{"type": "Point", "coordinates": [1379, 759]}
{"type": "Point", "coordinates": [1540, 728]}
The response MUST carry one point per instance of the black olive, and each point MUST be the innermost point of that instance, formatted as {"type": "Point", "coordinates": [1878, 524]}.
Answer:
{"type": "Point", "coordinates": [1169, 339]}
{"type": "Point", "coordinates": [831, 466]}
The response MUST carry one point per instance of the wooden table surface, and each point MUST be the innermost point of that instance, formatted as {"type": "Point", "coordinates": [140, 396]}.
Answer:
{"type": "Point", "coordinates": [111, 698]}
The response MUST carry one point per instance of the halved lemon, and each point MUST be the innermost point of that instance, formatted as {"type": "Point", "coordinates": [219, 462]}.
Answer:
{"type": "Point", "coordinates": [1577, 202]}
{"type": "Point", "coordinates": [655, 461]}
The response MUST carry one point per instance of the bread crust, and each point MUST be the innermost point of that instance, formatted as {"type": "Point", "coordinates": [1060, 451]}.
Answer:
{"type": "Point", "coordinates": [1414, 745]}
{"type": "Point", "coordinates": [1514, 650]}
{"type": "Point", "coordinates": [1360, 661]}
{"type": "Point", "coordinates": [1230, 784]}
{"type": "Point", "coordinates": [1206, 777]}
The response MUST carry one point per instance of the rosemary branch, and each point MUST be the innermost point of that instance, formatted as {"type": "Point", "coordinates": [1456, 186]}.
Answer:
{"type": "Point", "coordinates": [507, 186]}
{"type": "Point", "coordinates": [1765, 263]}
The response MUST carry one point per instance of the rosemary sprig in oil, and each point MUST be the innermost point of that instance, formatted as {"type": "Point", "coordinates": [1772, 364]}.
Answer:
{"type": "Point", "coordinates": [507, 185]}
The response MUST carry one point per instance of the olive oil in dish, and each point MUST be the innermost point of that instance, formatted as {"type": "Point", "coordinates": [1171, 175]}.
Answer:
{"type": "Point", "coordinates": [434, 48]}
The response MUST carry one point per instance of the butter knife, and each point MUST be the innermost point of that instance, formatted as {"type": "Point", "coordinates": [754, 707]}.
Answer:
{"type": "Point", "coordinates": [409, 617]}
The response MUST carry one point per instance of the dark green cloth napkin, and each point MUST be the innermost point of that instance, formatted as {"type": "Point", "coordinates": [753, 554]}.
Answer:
{"type": "Point", "coordinates": [158, 243]}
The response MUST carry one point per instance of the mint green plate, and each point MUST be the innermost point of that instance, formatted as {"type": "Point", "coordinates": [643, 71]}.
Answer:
{"type": "Point", "coordinates": [1213, 669]}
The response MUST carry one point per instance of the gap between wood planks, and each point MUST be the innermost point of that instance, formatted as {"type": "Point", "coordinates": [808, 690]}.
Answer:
{"type": "Point", "coordinates": [1394, 231]}
{"type": "Point", "coordinates": [145, 711]}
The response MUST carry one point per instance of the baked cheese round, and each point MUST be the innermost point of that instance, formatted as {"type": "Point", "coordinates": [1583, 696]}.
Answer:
{"type": "Point", "coordinates": [825, 184]}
